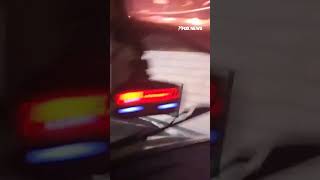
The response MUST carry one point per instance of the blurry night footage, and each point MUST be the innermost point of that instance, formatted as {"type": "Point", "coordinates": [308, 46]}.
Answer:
{"type": "Point", "coordinates": [160, 90]}
{"type": "Point", "coordinates": [55, 91]}
{"type": "Point", "coordinates": [79, 107]}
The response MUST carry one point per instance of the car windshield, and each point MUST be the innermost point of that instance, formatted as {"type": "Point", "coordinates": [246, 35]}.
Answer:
{"type": "Point", "coordinates": [173, 56]}
{"type": "Point", "coordinates": [180, 67]}
{"type": "Point", "coordinates": [186, 68]}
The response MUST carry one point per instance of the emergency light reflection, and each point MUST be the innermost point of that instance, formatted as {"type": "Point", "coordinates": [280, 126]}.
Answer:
{"type": "Point", "coordinates": [168, 106]}
{"type": "Point", "coordinates": [130, 109]}
{"type": "Point", "coordinates": [66, 152]}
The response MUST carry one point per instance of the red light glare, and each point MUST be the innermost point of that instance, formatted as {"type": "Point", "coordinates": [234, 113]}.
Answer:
{"type": "Point", "coordinates": [32, 130]}
{"type": "Point", "coordinates": [147, 96]}
{"type": "Point", "coordinates": [217, 101]}
{"type": "Point", "coordinates": [177, 13]}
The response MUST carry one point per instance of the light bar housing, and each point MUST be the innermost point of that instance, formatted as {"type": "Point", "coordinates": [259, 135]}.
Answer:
{"type": "Point", "coordinates": [63, 116]}
{"type": "Point", "coordinates": [148, 98]}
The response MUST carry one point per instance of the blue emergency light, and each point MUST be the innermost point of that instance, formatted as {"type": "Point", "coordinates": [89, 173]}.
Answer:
{"type": "Point", "coordinates": [66, 152]}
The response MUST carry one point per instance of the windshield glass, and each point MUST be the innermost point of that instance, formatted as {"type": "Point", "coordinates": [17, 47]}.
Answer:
{"type": "Point", "coordinates": [163, 56]}
{"type": "Point", "coordinates": [192, 69]}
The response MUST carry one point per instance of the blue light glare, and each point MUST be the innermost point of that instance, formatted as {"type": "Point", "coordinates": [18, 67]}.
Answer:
{"type": "Point", "coordinates": [214, 136]}
{"type": "Point", "coordinates": [66, 152]}
{"type": "Point", "coordinates": [168, 106]}
{"type": "Point", "coordinates": [130, 109]}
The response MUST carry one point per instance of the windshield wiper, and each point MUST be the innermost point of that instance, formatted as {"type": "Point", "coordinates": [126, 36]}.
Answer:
{"type": "Point", "coordinates": [183, 116]}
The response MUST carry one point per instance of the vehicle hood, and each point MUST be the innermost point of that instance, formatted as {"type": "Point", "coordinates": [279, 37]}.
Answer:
{"type": "Point", "coordinates": [171, 138]}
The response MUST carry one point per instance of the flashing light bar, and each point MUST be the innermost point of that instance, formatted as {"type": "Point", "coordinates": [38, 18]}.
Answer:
{"type": "Point", "coordinates": [68, 108]}
{"type": "Point", "coordinates": [168, 106]}
{"type": "Point", "coordinates": [147, 96]}
{"type": "Point", "coordinates": [130, 109]}
{"type": "Point", "coordinates": [63, 115]}
{"type": "Point", "coordinates": [66, 152]}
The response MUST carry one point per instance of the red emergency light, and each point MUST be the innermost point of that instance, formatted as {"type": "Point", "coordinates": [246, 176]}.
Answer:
{"type": "Point", "coordinates": [146, 98]}
{"type": "Point", "coordinates": [139, 97]}
{"type": "Point", "coordinates": [63, 116]}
